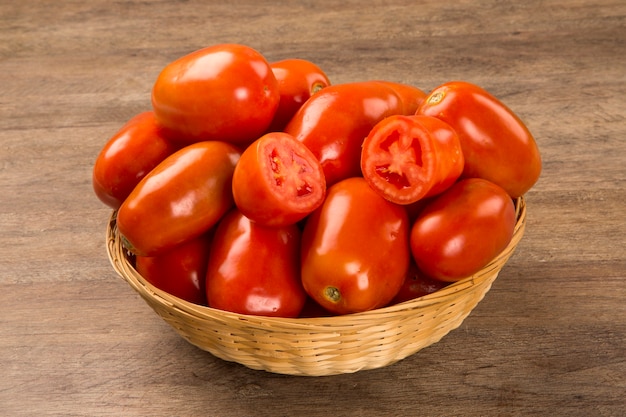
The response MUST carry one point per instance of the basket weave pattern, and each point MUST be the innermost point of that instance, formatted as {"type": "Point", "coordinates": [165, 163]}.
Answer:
{"type": "Point", "coordinates": [322, 345]}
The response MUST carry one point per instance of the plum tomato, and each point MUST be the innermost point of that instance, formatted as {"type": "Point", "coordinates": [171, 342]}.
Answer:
{"type": "Point", "coordinates": [417, 284]}
{"type": "Point", "coordinates": [137, 147]}
{"type": "Point", "coordinates": [334, 122]}
{"type": "Point", "coordinates": [410, 96]}
{"type": "Point", "coordinates": [355, 249]}
{"type": "Point", "coordinates": [278, 181]}
{"type": "Point", "coordinates": [225, 92]}
{"type": "Point", "coordinates": [496, 144]}
{"type": "Point", "coordinates": [298, 79]}
{"type": "Point", "coordinates": [253, 269]}
{"type": "Point", "coordinates": [407, 158]}
{"type": "Point", "coordinates": [461, 230]}
{"type": "Point", "coordinates": [180, 271]}
{"type": "Point", "coordinates": [181, 198]}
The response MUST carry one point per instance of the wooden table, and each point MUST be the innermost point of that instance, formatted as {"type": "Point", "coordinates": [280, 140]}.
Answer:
{"type": "Point", "coordinates": [548, 339]}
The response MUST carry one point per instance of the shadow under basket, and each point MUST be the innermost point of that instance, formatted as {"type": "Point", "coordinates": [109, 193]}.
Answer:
{"type": "Point", "coordinates": [322, 345]}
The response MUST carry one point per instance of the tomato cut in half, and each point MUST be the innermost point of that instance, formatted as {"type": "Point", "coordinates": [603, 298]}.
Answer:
{"type": "Point", "coordinates": [278, 181]}
{"type": "Point", "coordinates": [407, 158]}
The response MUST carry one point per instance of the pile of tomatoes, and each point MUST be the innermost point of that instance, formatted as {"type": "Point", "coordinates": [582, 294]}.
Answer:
{"type": "Point", "coordinates": [260, 188]}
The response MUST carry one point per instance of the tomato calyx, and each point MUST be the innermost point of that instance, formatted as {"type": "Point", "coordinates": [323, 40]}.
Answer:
{"type": "Point", "coordinates": [332, 294]}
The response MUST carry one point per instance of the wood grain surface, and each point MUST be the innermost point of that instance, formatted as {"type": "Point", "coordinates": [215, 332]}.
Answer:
{"type": "Point", "coordinates": [548, 339]}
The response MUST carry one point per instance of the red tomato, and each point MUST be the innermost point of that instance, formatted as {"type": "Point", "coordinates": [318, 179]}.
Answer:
{"type": "Point", "coordinates": [334, 122]}
{"type": "Point", "coordinates": [407, 158]}
{"type": "Point", "coordinates": [180, 199]}
{"type": "Point", "coordinates": [278, 181]}
{"type": "Point", "coordinates": [417, 284]}
{"type": "Point", "coordinates": [128, 156]}
{"type": "Point", "coordinates": [411, 97]}
{"type": "Point", "coordinates": [254, 269]}
{"type": "Point", "coordinates": [355, 249]}
{"type": "Point", "coordinates": [181, 271]}
{"type": "Point", "coordinates": [497, 146]}
{"type": "Point", "coordinates": [225, 92]}
{"type": "Point", "coordinates": [298, 79]}
{"type": "Point", "coordinates": [462, 229]}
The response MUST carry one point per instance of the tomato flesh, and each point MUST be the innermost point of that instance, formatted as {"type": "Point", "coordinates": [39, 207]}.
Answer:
{"type": "Point", "coordinates": [278, 181]}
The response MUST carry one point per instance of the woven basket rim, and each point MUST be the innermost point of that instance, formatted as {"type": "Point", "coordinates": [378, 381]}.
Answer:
{"type": "Point", "coordinates": [122, 266]}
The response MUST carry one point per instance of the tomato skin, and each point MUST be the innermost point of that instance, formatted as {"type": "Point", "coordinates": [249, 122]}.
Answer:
{"type": "Point", "coordinates": [224, 92]}
{"type": "Point", "coordinates": [183, 197]}
{"type": "Point", "coordinates": [254, 269]}
{"type": "Point", "coordinates": [497, 146]}
{"type": "Point", "coordinates": [298, 79]}
{"type": "Point", "coordinates": [355, 250]}
{"type": "Point", "coordinates": [334, 122]}
{"type": "Point", "coordinates": [278, 181]}
{"type": "Point", "coordinates": [181, 271]}
{"type": "Point", "coordinates": [462, 229]}
{"type": "Point", "coordinates": [133, 151]}
{"type": "Point", "coordinates": [407, 158]}
{"type": "Point", "coordinates": [411, 97]}
{"type": "Point", "coordinates": [416, 284]}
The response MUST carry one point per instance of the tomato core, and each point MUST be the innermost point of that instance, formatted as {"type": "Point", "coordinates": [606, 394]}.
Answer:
{"type": "Point", "coordinates": [404, 151]}
{"type": "Point", "coordinates": [290, 166]}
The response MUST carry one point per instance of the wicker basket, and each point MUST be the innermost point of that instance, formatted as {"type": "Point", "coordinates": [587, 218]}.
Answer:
{"type": "Point", "coordinates": [324, 345]}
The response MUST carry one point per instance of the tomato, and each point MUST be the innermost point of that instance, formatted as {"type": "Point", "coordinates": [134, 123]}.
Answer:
{"type": "Point", "coordinates": [181, 271]}
{"type": "Point", "coordinates": [416, 284]}
{"type": "Point", "coordinates": [462, 229]}
{"type": "Point", "coordinates": [410, 97]}
{"type": "Point", "coordinates": [298, 79]}
{"type": "Point", "coordinates": [355, 249]}
{"type": "Point", "coordinates": [128, 156]}
{"type": "Point", "coordinates": [254, 269]}
{"type": "Point", "coordinates": [334, 122]}
{"type": "Point", "coordinates": [278, 181]}
{"type": "Point", "coordinates": [497, 146]}
{"type": "Point", "coordinates": [407, 158]}
{"type": "Point", "coordinates": [224, 92]}
{"type": "Point", "coordinates": [181, 198]}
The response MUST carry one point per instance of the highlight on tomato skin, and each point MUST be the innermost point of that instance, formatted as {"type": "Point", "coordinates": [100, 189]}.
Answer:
{"type": "Point", "coordinates": [278, 181]}
{"type": "Point", "coordinates": [408, 158]}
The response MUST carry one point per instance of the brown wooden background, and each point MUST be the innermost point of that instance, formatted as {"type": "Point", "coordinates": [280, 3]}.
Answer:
{"type": "Point", "coordinates": [549, 339]}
